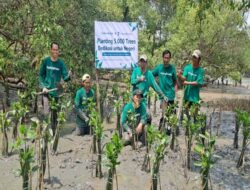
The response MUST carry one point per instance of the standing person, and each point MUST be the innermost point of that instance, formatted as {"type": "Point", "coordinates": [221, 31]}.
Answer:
{"type": "Point", "coordinates": [142, 79]}
{"type": "Point", "coordinates": [193, 79]}
{"type": "Point", "coordinates": [82, 99]}
{"type": "Point", "coordinates": [137, 107]}
{"type": "Point", "coordinates": [166, 73]}
{"type": "Point", "coordinates": [167, 77]}
{"type": "Point", "coordinates": [52, 70]}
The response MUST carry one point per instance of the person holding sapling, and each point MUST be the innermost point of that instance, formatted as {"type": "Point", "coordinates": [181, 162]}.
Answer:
{"type": "Point", "coordinates": [138, 109]}
{"type": "Point", "coordinates": [51, 72]}
{"type": "Point", "coordinates": [166, 74]}
{"type": "Point", "coordinates": [83, 97]}
{"type": "Point", "coordinates": [193, 79]}
{"type": "Point", "coordinates": [142, 79]}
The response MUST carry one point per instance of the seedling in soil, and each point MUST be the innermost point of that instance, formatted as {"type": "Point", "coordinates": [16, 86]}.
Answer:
{"type": "Point", "coordinates": [192, 129]}
{"type": "Point", "coordinates": [132, 121]}
{"type": "Point", "coordinates": [151, 134]}
{"type": "Point", "coordinates": [173, 122]}
{"type": "Point", "coordinates": [118, 105]}
{"type": "Point", "coordinates": [18, 112]}
{"type": "Point", "coordinates": [237, 128]}
{"type": "Point", "coordinates": [26, 154]}
{"type": "Point", "coordinates": [4, 125]}
{"type": "Point", "coordinates": [159, 152]}
{"type": "Point", "coordinates": [112, 151]}
{"type": "Point", "coordinates": [150, 95]}
{"type": "Point", "coordinates": [95, 120]}
{"type": "Point", "coordinates": [244, 118]}
{"type": "Point", "coordinates": [60, 122]}
{"type": "Point", "coordinates": [43, 138]}
{"type": "Point", "coordinates": [205, 149]}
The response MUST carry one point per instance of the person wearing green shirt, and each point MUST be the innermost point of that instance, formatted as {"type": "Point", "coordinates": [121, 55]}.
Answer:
{"type": "Point", "coordinates": [167, 77]}
{"type": "Point", "coordinates": [193, 79]}
{"type": "Point", "coordinates": [83, 96]}
{"type": "Point", "coordinates": [166, 73]}
{"type": "Point", "coordinates": [139, 109]}
{"type": "Point", "coordinates": [51, 72]}
{"type": "Point", "coordinates": [142, 79]}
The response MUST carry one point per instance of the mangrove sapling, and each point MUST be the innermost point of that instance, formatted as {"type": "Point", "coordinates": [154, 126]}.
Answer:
{"type": "Point", "coordinates": [43, 138]}
{"type": "Point", "coordinates": [60, 120]}
{"type": "Point", "coordinates": [4, 125]}
{"type": "Point", "coordinates": [205, 149]}
{"type": "Point", "coordinates": [192, 129]}
{"type": "Point", "coordinates": [245, 120]}
{"type": "Point", "coordinates": [91, 108]}
{"type": "Point", "coordinates": [150, 94]}
{"type": "Point", "coordinates": [118, 104]}
{"type": "Point", "coordinates": [95, 120]}
{"type": "Point", "coordinates": [132, 121]}
{"type": "Point", "coordinates": [18, 112]}
{"type": "Point", "coordinates": [160, 145]}
{"type": "Point", "coordinates": [112, 151]}
{"type": "Point", "coordinates": [173, 122]}
{"type": "Point", "coordinates": [237, 128]}
{"type": "Point", "coordinates": [151, 134]}
{"type": "Point", "coordinates": [26, 154]}
{"type": "Point", "coordinates": [155, 100]}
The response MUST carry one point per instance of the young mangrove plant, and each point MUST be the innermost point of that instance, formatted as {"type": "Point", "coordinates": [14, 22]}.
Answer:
{"type": "Point", "coordinates": [60, 123]}
{"type": "Point", "coordinates": [244, 118]}
{"type": "Point", "coordinates": [192, 129]}
{"type": "Point", "coordinates": [173, 122]}
{"type": "Point", "coordinates": [95, 120]}
{"type": "Point", "coordinates": [43, 138]}
{"type": "Point", "coordinates": [118, 105]}
{"type": "Point", "coordinates": [18, 112]}
{"type": "Point", "coordinates": [132, 121]}
{"type": "Point", "coordinates": [112, 151]}
{"type": "Point", "coordinates": [161, 142]}
{"type": "Point", "coordinates": [26, 154]}
{"type": "Point", "coordinates": [205, 149]}
{"type": "Point", "coordinates": [151, 133]}
{"type": "Point", "coordinates": [91, 108]}
{"type": "Point", "coordinates": [4, 125]}
{"type": "Point", "coordinates": [237, 127]}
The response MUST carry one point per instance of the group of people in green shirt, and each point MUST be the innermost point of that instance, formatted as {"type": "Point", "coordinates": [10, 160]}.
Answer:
{"type": "Point", "coordinates": [53, 70]}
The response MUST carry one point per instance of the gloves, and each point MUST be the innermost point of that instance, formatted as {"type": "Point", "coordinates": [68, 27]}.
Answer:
{"type": "Point", "coordinates": [45, 90]}
{"type": "Point", "coordinates": [82, 115]}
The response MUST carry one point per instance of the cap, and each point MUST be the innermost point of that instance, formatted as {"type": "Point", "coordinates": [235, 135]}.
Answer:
{"type": "Point", "coordinates": [144, 57]}
{"type": "Point", "coordinates": [197, 53]}
{"type": "Point", "coordinates": [85, 76]}
{"type": "Point", "coordinates": [137, 92]}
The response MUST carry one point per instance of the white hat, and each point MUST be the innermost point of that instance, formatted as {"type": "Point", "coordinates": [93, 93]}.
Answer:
{"type": "Point", "coordinates": [144, 57]}
{"type": "Point", "coordinates": [85, 76]}
{"type": "Point", "coordinates": [197, 53]}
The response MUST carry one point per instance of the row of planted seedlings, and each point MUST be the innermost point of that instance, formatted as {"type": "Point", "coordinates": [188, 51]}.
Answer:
{"type": "Point", "coordinates": [31, 138]}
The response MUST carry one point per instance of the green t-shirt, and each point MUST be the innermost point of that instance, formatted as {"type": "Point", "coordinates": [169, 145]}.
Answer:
{"type": "Point", "coordinates": [51, 74]}
{"type": "Point", "coordinates": [149, 81]}
{"type": "Point", "coordinates": [141, 114]}
{"type": "Point", "coordinates": [81, 100]}
{"type": "Point", "coordinates": [192, 93]}
{"type": "Point", "coordinates": [167, 78]}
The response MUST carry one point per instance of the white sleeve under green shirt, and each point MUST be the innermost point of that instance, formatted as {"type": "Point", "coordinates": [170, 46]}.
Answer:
{"type": "Point", "coordinates": [192, 93]}
{"type": "Point", "coordinates": [167, 78]}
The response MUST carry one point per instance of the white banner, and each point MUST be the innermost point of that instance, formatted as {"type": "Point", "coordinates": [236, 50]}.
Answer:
{"type": "Point", "coordinates": [116, 45]}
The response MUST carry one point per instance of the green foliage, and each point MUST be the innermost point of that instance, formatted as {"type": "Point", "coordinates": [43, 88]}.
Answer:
{"type": "Point", "coordinates": [206, 153]}
{"type": "Point", "coordinates": [4, 125]}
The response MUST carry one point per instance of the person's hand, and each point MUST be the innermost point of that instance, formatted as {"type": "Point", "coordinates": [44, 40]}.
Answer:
{"type": "Point", "coordinates": [179, 73]}
{"type": "Point", "coordinates": [45, 90]}
{"type": "Point", "coordinates": [69, 73]}
{"type": "Point", "coordinates": [138, 129]}
{"type": "Point", "coordinates": [165, 98]}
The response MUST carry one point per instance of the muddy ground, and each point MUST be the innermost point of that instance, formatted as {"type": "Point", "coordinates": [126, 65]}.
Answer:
{"type": "Point", "coordinates": [72, 168]}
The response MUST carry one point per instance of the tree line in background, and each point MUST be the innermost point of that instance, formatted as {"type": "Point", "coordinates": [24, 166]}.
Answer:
{"type": "Point", "coordinates": [218, 28]}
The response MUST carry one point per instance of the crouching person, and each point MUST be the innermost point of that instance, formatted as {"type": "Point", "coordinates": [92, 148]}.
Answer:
{"type": "Point", "coordinates": [137, 108]}
{"type": "Point", "coordinates": [82, 99]}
